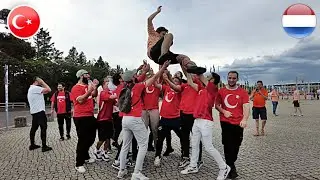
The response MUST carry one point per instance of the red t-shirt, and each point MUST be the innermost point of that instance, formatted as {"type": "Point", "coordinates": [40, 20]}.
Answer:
{"type": "Point", "coordinates": [61, 103]}
{"type": "Point", "coordinates": [188, 96]}
{"type": "Point", "coordinates": [151, 98]}
{"type": "Point", "coordinates": [232, 100]}
{"type": "Point", "coordinates": [136, 109]}
{"type": "Point", "coordinates": [170, 104]}
{"type": "Point", "coordinates": [105, 106]}
{"type": "Point", "coordinates": [87, 107]}
{"type": "Point", "coordinates": [205, 102]}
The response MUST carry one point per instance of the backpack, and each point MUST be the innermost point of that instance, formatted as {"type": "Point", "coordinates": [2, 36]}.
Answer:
{"type": "Point", "coordinates": [125, 99]}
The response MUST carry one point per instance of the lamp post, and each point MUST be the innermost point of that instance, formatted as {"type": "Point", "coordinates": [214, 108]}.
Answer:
{"type": "Point", "coordinates": [3, 20]}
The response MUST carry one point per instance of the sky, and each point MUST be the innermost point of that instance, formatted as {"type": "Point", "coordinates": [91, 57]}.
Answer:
{"type": "Point", "coordinates": [245, 35]}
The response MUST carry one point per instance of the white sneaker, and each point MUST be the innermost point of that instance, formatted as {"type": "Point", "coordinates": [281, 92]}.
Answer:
{"type": "Point", "coordinates": [81, 169]}
{"type": "Point", "coordinates": [157, 161]}
{"type": "Point", "coordinates": [138, 176]}
{"type": "Point", "coordinates": [190, 170]}
{"type": "Point", "coordinates": [223, 173]}
{"type": "Point", "coordinates": [89, 161]}
{"type": "Point", "coordinates": [121, 174]}
{"type": "Point", "coordinates": [97, 155]}
{"type": "Point", "coordinates": [105, 157]}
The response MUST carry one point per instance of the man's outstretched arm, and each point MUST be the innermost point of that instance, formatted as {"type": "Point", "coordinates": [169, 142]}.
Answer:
{"type": "Point", "coordinates": [151, 17]}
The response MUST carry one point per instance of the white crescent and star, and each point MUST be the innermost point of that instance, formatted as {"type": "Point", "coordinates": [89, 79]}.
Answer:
{"type": "Point", "coordinates": [226, 102]}
{"type": "Point", "coordinates": [167, 97]}
{"type": "Point", "coordinates": [148, 91]}
{"type": "Point", "coordinates": [14, 21]}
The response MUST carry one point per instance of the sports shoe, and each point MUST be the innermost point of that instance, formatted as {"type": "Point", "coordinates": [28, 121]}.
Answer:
{"type": "Point", "coordinates": [81, 169]}
{"type": "Point", "coordinates": [138, 176]}
{"type": "Point", "coordinates": [122, 173]}
{"type": "Point", "coordinates": [105, 157]}
{"type": "Point", "coordinates": [185, 161]}
{"type": "Point", "coordinates": [157, 161]}
{"type": "Point", "coordinates": [89, 161]}
{"type": "Point", "coordinates": [62, 138]}
{"type": "Point", "coordinates": [223, 173]}
{"type": "Point", "coordinates": [199, 164]}
{"type": "Point", "coordinates": [46, 148]}
{"type": "Point", "coordinates": [116, 164]}
{"type": "Point", "coordinates": [33, 147]}
{"type": "Point", "coordinates": [168, 151]}
{"type": "Point", "coordinates": [98, 155]}
{"type": "Point", "coordinates": [196, 70]}
{"type": "Point", "coordinates": [130, 163]}
{"type": "Point", "coordinates": [190, 170]}
{"type": "Point", "coordinates": [68, 136]}
{"type": "Point", "coordinates": [233, 174]}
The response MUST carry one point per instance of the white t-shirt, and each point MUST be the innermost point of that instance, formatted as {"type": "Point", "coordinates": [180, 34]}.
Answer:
{"type": "Point", "coordinates": [36, 99]}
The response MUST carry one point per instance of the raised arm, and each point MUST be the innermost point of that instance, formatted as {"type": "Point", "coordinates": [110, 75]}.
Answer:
{"type": "Point", "coordinates": [171, 84]}
{"type": "Point", "coordinates": [46, 89]}
{"type": "Point", "coordinates": [151, 17]}
{"type": "Point", "coordinates": [151, 80]}
{"type": "Point", "coordinates": [190, 82]}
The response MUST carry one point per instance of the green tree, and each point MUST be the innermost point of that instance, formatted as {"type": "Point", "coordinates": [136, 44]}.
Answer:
{"type": "Point", "coordinates": [44, 46]}
{"type": "Point", "coordinates": [82, 59]}
{"type": "Point", "coordinates": [72, 57]}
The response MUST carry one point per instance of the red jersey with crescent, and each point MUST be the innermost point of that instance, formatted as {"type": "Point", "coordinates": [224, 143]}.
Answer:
{"type": "Point", "coordinates": [87, 107]}
{"type": "Point", "coordinates": [151, 98]}
{"type": "Point", "coordinates": [205, 101]}
{"type": "Point", "coordinates": [232, 100]}
{"type": "Point", "coordinates": [170, 103]}
{"type": "Point", "coordinates": [188, 96]}
{"type": "Point", "coordinates": [61, 103]}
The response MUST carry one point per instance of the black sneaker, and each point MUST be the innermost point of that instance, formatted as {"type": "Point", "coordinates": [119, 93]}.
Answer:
{"type": "Point", "coordinates": [199, 164]}
{"type": "Point", "coordinates": [115, 144]}
{"type": "Point", "coordinates": [233, 174]}
{"type": "Point", "coordinates": [196, 70]}
{"type": "Point", "coordinates": [46, 148]}
{"type": "Point", "coordinates": [185, 161]}
{"type": "Point", "coordinates": [150, 148]}
{"type": "Point", "coordinates": [62, 139]}
{"type": "Point", "coordinates": [168, 151]}
{"type": "Point", "coordinates": [33, 147]}
{"type": "Point", "coordinates": [68, 136]}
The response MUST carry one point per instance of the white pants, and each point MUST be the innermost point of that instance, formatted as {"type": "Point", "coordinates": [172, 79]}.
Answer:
{"type": "Point", "coordinates": [133, 126]}
{"type": "Point", "coordinates": [202, 130]}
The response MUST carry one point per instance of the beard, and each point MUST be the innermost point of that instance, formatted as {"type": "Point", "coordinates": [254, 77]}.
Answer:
{"type": "Point", "coordinates": [232, 85]}
{"type": "Point", "coordinates": [136, 80]}
{"type": "Point", "coordinates": [85, 80]}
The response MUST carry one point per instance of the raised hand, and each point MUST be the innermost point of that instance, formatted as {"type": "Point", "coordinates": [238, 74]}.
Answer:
{"type": "Point", "coordinates": [159, 9]}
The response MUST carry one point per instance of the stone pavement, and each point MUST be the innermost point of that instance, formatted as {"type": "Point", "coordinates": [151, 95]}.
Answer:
{"type": "Point", "coordinates": [290, 150]}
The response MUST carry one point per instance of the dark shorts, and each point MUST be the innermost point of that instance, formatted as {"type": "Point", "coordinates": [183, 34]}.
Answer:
{"type": "Point", "coordinates": [296, 104]}
{"type": "Point", "coordinates": [155, 53]}
{"type": "Point", "coordinates": [259, 112]}
{"type": "Point", "coordinates": [105, 130]}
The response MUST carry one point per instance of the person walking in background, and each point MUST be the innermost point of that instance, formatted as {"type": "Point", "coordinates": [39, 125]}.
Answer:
{"type": "Point", "coordinates": [296, 102]}
{"type": "Point", "coordinates": [259, 110]}
{"type": "Point", "coordinates": [61, 103]}
{"type": "Point", "coordinates": [275, 100]}
{"type": "Point", "coordinates": [38, 112]}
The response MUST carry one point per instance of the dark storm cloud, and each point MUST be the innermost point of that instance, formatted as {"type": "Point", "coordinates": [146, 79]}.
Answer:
{"type": "Point", "coordinates": [302, 61]}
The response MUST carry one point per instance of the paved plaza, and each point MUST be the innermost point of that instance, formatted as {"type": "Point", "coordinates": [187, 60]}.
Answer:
{"type": "Point", "coordinates": [290, 150]}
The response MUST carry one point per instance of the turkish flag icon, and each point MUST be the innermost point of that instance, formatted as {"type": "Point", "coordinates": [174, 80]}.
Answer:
{"type": "Point", "coordinates": [23, 22]}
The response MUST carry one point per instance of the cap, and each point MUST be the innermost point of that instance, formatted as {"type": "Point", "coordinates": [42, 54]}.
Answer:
{"type": "Point", "coordinates": [81, 72]}
{"type": "Point", "coordinates": [128, 75]}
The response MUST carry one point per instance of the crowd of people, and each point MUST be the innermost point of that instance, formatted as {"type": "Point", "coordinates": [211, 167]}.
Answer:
{"type": "Point", "coordinates": [129, 105]}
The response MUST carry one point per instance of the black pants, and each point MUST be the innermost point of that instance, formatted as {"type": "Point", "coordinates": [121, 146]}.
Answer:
{"type": "Point", "coordinates": [187, 121]}
{"type": "Point", "coordinates": [39, 119]}
{"type": "Point", "coordinates": [86, 131]}
{"type": "Point", "coordinates": [117, 125]}
{"type": "Point", "coordinates": [134, 149]}
{"type": "Point", "coordinates": [155, 53]}
{"type": "Point", "coordinates": [165, 127]}
{"type": "Point", "coordinates": [61, 118]}
{"type": "Point", "coordinates": [232, 136]}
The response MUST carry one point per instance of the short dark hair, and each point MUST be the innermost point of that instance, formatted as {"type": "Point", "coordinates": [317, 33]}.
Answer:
{"type": "Point", "coordinates": [259, 82]}
{"type": "Point", "coordinates": [160, 29]}
{"type": "Point", "coordinates": [234, 72]}
{"type": "Point", "coordinates": [216, 78]}
{"type": "Point", "coordinates": [180, 80]}
{"type": "Point", "coordinates": [62, 84]}
{"type": "Point", "coordinates": [116, 79]}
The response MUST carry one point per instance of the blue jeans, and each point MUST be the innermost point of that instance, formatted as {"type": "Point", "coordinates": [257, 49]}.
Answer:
{"type": "Point", "coordinates": [274, 106]}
